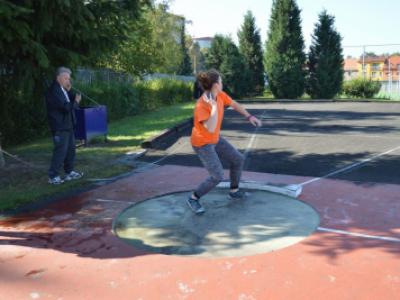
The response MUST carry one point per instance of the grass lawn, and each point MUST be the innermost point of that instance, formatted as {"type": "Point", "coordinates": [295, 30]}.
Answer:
{"type": "Point", "coordinates": [20, 184]}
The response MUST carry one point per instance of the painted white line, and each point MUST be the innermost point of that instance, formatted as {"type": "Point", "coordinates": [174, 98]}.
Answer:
{"type": "Point", "coordinates": [113, 201]}
{"type": "Point", "coordinates": [368, 236]}
{"type": "Point", "coordinates": [352, 166]}
{"type": "Point", "coordinates": [311, 135]}
{"type": "Point", "coordinates": [252, 139]}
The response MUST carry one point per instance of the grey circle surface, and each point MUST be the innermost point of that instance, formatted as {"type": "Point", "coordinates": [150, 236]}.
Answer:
{"type": "Point", "coordinates": [261, 223]}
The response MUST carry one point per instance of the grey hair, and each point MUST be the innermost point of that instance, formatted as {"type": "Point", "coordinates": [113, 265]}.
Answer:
{"type": "Point", "coordinates": [61, 70]}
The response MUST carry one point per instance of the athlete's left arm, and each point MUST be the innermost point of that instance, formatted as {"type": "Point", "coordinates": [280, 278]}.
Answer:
{"type": "Point", "coordinates": [240, 109]}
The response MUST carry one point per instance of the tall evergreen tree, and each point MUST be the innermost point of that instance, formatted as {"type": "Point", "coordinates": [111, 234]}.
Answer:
{"type": "Point", "coordinates": [284, 57]}
{"type": "Point", "coordinates": [325, 60]}
{"type": "Point", "coordinates": [186, 65]}
{"type": "Point", "coordinates": [251, 49]}
{"type": "Point", "coordinates": [225, 57]}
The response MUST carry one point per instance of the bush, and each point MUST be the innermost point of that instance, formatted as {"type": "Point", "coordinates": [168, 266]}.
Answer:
{"type": "Point", "coordinates": [24, 116]}
{"type": "Point", "coordinates": [123, 99]}
{"type": "Point", "coordinates": [361, 88]}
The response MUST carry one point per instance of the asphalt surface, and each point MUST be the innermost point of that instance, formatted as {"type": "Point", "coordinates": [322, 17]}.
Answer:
{"type": "Point", "coordinates": [310, 139]}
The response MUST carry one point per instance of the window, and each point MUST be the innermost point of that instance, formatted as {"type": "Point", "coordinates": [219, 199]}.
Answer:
{"type": "Point", "coordinates": [375, 67]}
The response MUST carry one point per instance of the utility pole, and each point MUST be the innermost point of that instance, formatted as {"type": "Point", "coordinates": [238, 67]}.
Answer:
{"type": "Point", "coordinates": [398, 79]}
{"type": "Point", "coordinates": [363, 62]}
{"type": "Point", "coordinates": [390, 76]}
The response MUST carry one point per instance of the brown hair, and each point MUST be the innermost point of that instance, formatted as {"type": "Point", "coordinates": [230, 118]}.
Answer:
{"type": "Point", "coordinates": [207, 79]}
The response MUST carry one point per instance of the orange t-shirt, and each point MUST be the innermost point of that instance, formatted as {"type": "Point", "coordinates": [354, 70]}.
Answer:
{"type": "Point", "coordinates": [200, 135]}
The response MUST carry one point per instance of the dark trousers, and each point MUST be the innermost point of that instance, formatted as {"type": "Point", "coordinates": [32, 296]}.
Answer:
{"type": "Point", "coordinates": [63, 152]}
{"type": "Point", "coordinates": [210, 157]}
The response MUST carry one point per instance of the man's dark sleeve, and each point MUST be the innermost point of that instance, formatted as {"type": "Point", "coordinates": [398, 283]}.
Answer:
{"type": "Point", "coordinates": [56, 100]}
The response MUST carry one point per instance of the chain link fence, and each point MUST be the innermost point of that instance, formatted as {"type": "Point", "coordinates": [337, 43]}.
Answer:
{"type": "Point", "coordinates": [90, 76]}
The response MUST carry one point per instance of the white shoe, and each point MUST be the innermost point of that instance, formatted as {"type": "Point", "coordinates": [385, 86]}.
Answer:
{"type": "Point", "coordinates": [73, 175]}
{"type": "Point", "coordinates": [56, 180]}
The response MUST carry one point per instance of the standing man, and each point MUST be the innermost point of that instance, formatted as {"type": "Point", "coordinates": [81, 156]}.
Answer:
{"type": "Point", "coordinates": [61, 102]}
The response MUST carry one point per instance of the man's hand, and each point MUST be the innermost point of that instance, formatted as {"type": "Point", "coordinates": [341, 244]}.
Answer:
{"type": "Point", "coordinates": [67, 86]}
{"type": "Point", "coordinates": [78, 98]}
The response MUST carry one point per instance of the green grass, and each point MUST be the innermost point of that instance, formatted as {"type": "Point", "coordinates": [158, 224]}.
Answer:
{"type": "Point", "coordinates": [20, 185]}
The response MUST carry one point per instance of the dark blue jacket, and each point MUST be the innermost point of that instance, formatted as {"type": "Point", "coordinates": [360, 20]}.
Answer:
{"type": "Point", "coordinates": [60, 112]}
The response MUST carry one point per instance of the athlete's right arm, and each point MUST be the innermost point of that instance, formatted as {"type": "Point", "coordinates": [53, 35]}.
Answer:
{"type": "Point", "coordinates": [211, 123]}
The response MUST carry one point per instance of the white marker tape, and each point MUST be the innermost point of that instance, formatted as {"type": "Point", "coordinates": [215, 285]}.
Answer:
{"type": "Point", "coordinates": [375, 237]}
{"type": "Point", "coordinates": [352, 166]}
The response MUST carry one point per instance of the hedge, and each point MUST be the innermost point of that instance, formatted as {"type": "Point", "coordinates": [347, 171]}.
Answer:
{"type": "Point", "coordinates": [361, 88]}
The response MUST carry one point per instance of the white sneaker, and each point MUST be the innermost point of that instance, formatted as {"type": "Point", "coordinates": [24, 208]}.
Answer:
{"type": "Point", "coordinates": [56, 180]}
{"type": "Point", "coordinates": [73, 175]}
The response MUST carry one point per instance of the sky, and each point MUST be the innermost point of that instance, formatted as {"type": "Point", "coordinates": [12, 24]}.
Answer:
{"type": "Point", "coordinates": [360, 22]}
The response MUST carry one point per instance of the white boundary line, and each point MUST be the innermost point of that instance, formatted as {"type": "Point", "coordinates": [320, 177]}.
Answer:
{"type": "Point", "coordinates": [368, 236]}
{"type": "Point", "coordinates": [112, 201]}
{"type": "Point", "coordinates": [352, 166]}
{"type": "Point", "coordinates": [252, 139]}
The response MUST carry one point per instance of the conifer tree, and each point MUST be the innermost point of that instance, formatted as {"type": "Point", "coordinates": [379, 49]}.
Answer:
{"type": "Point", "coordinates": [225, 57]}
{"type": "Point", "coordinates": [186, 65]}
{"type": "Point", "coordinates": [284, 58]}
{"type": "Point", "coordinates": [325, 60]}
{"type": "Point", "coordinates": [251, 49]}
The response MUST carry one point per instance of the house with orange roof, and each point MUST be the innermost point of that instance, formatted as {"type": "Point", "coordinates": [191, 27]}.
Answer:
{"type": "Point", "coordinates": [391, 70]}
{"type": "Point", "coordinates": [372, 67]}
{"type": "Point", "coordinates": [350, 68]}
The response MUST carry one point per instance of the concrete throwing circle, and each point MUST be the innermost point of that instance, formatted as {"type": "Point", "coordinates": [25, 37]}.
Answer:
{"type": "Point", "coordinates": [262, 222]}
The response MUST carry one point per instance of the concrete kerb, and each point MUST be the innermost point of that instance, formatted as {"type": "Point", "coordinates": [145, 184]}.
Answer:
{"type": "Point", "coordinates": [291, 190]}
{"type": "Point", "coordinates": [154, 141]}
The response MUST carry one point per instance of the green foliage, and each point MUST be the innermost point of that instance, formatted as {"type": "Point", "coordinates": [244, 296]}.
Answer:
{"type": "Point", "coordinates": [225, 57]}
{"type": "Point", "coordinates": [159, 92]}
{"type": "Point", "coordinates": [361, 88]}
{"type": "Point", "coordinates": [284, 58]}
{"type": "Point", "coordinates": [130, 99]}
{"type": "Point", "coordinates": [251, 49]}
{"type": "Point", "coordinates": [167, 29]}
{"type": "Point", "coordinates": [38, 36]}
{"type": "Point", "coordinates": [186, 66]}
{"type": "Point", "coordinates": [137, 55]}
{"type": "Point", "coordinates": [325, 60]}
{"type": "Point", "coordinates": [156, 42]}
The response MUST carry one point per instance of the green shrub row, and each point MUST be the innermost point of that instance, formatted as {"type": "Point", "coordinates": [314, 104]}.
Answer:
{"type": "Point", "coordinates": [23, 117]}
{"type": "Point", "coordinates": [361, 88]}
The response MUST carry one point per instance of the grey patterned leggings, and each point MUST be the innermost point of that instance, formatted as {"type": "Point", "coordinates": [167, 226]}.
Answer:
{"type": "Point", "coordinates": [210, 157]}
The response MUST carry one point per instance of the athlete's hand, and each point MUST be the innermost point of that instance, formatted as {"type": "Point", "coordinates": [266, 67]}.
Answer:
{"type": "Point", "coordinates": [256, 122]}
